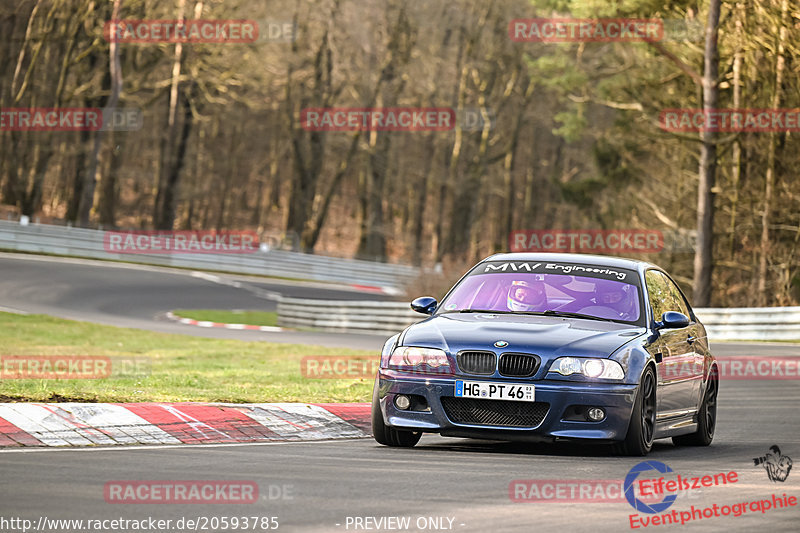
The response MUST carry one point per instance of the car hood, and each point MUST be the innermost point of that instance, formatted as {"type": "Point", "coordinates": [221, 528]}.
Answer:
{"type": "Point", "coordinates": [545, 336]}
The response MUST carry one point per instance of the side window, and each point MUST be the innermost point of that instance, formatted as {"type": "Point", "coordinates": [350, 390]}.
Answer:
{"type": "Point", "coordinates": [676, 298]}
{"type": "Point", "coordinates": [657, 292]}
{"type": "Point", "coordinates": [664, 295]}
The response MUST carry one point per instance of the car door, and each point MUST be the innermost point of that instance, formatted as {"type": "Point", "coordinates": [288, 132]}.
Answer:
{"type": "Point", "coordinates": [692, 366]}
{"type": "Point", "coordinates": [672, 350]}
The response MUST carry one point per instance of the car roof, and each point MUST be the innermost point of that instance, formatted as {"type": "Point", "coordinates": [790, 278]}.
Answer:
{"type": "Point", "coordinates": [599, 260]}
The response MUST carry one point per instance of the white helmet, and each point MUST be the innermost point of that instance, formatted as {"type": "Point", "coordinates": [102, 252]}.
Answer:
{"type": "Point", "coordinates": [526, 295]}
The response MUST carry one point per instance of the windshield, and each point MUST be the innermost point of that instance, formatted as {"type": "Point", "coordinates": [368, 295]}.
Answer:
{"type": "Point", "coordinates": [540, 292]}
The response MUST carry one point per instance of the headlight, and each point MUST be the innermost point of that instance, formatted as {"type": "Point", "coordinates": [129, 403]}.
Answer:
{"type": "Point", "coordinates": [417, 359]}
{"type": "Point", "coordinates": [589, 367]}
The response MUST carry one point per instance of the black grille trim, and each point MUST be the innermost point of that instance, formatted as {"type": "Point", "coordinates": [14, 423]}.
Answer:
{"type": "Point", "coordinates": [478, 412]}
{"type": "Point", "coordinates": [518, 365]}
{"type": "Point", "coordinates": [475, 362]}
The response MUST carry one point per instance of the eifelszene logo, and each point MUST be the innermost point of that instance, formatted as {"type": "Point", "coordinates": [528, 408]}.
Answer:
{"type": "Point", "coordinates": [630, 495]}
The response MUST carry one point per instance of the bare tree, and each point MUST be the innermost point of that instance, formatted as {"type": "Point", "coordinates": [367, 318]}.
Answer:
{"type": "Point", "coordinates": [703, 259]}
{"type": "Point", "coordinates": [87, 198]}
{"type": "Point", "coordinates": [769, 179]}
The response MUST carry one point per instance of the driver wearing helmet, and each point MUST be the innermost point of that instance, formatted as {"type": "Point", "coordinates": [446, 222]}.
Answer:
{"type": "Point", "coordinates": [614, 296]}
{"type": "Point", "coordinates": [526, 296]}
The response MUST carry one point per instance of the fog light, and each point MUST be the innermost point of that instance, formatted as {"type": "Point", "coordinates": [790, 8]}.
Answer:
{"type": "Point", "coordinates": [402, 402]}
{"type": "Point", "coordinates": [595, 414]}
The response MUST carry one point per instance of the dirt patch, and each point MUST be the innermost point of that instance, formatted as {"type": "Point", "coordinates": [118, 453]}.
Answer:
{"type": "Point", "coordinates": [53, 398]}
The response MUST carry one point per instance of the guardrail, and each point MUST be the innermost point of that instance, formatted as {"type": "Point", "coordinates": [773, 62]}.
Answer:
{"type": "Point", "coordinates": [385, 318]}
{"type": "Point", "coordinates": [388, 318]}
{"type": "Point", "coordinates": [88, 243]}
{"type": "Point", "coordinates": [751, 323]}
{"type": "Point", "coordinates": [380, 318]}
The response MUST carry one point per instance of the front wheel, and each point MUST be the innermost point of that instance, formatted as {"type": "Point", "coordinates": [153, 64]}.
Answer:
{"type": "Point", "coordinates": [386, 435]}
{"type": "Point", "coordinates": [706, 417]}
{"type": "Point", "coordinates": [639, 440]}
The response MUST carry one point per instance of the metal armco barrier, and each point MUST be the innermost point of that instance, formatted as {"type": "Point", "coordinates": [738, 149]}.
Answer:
{"type": "Point", "coordinates": [751, 323]}
{"type": "Point", "coordinates": [388, 318]}
{"type": "Point", "coordinates": [384, 318]}
{"type": "Point", "coordinates": [78, 242]}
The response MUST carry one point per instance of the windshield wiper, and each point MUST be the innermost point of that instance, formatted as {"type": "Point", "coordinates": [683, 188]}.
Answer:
{"type": "Point", "coordinates": [567, 314]}
{"type": "Point", "coordinates": [549, 312]}
{"type": "Point", "coordinates": [487, 311]}
{"type": "Point", "coordinates": [482, 311]}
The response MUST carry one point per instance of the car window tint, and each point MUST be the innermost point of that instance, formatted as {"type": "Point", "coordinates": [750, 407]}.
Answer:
{"type": "Point", "coordinates": [658, 293]}
{"type": "Point", "coordinates": [677, 303]}
{"type": "Point", "coordinates": [539, 292]}
{"type": "Point", "coordinates": [664, 295]}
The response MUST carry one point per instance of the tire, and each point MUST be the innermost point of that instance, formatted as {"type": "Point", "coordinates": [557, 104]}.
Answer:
{"type": "Point", "coordinates": [641, 429]}
{"type": "Point", "coordinates": [386, 435]}
{"type": "Point", "coordinates": [706, 417]}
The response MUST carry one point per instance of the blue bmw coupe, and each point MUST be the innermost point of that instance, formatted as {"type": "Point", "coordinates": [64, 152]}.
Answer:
{"type": "Point", "coordinates": [547, 347]}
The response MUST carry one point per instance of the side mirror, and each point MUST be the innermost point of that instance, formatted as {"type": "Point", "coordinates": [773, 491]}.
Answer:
{"type": "Point", "coordinates": [673, 320]}
{"type": "Point", "coordinates": [425, 305]}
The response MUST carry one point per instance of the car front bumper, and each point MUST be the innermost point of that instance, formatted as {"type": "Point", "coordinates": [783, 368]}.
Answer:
{"type": "Point", "coordinates": [615, 399]}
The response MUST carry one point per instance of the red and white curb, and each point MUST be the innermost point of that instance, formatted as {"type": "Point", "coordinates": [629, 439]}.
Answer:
{"type": "Point", "coordinates": [391, 291]}
{"type": "Point", "coordinates": [272, 295]}
{"type": "Point", "coordinates": [207, 324]}
{"type": "Point", "coordinates": [94, 424]}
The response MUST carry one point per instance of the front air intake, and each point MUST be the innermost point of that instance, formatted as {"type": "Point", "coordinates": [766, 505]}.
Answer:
{"type": "Point", "coordinates": [482, 363]}
{"type": "Point", "coordinates": [518, 365]}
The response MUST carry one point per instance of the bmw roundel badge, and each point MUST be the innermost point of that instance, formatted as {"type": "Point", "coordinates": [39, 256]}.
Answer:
{"type": "Point", "coordinates": [501, 344]}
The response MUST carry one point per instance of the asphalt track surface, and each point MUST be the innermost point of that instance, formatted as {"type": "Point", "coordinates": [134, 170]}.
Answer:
{"type": "Point", "coordinates": [139, 297]}
{"type": "Point", "coordinates": [464, 480]}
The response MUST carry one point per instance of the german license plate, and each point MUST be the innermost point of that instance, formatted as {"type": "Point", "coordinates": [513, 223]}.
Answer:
{"type": "Point", "coordinates": [494, 391]}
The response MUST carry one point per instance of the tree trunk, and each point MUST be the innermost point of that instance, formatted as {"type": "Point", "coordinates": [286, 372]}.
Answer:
{"type": "Point", "coordinates": [107, 206]}
{"type": "Point", "coordinates": [11, 186]}
{"type": "Point", "coordinates": [90, 181]}
{"type": "Point", "coordinates": [769, 185]}
{"type": "Point", "coordinates": [171, 156]}
{"type": "Point", "coordinates": [32, 199]}
{"type": "Point", "coordinates": [451, 157]}
{"type": "Point", "coordinates": [505, 222]}
{"type": "Point", "coordinates": [308, 163]}
{"type": "Point", "coordinates": [170, 192]}
{"type": "Point", "coordinates": [419, 208]}
{"type": "Point", "coordinates": [372, 243]}
{"type": "Point", "coordinates": [703, 259]}
{"type": "Point", "coordinates": [310, 238]}
{"type": "Point", "coordinates": [736, 164]}
{"type": "Point", "coordinates": [445, 244]}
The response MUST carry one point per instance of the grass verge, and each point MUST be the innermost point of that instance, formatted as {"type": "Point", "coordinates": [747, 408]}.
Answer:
{"type": "Point", "coordinates": [178, 367]}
